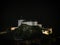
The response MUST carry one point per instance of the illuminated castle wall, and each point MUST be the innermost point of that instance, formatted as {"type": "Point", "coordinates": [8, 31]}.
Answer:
{"type": "Point", "coordinates": [32, 23]}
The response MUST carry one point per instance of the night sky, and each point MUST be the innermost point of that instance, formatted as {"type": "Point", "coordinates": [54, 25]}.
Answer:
{"type": "Point", "coordinates": [45, 12]}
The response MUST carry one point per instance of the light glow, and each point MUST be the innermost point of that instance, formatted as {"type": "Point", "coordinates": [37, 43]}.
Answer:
{"type": "Point", "coordinates": [13, 28]}
{"type": "Point", "coordinates": [47, 31]}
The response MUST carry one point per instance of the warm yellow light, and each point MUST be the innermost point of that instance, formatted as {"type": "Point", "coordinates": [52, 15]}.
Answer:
{"type": "Point", "coordinates": [13, 28]}
{"type": "Point", "coordinates": [45, 32]}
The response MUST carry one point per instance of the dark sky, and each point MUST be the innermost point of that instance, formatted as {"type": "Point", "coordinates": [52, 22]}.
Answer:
{"type": "Point", "coordinates": [44, 12]}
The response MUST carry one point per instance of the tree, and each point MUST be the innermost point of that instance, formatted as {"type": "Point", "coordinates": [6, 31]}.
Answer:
{"type": "Point", "coordinates": [26, 32]}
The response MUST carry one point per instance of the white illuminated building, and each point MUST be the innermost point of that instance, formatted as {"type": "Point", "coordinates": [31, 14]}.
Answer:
{"type": "Point", "coordinates": [31, 23]}
{"type": "Point", "coordinates": [40, 25]}
{"type": "Point", "coordinates": [19, 22]}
